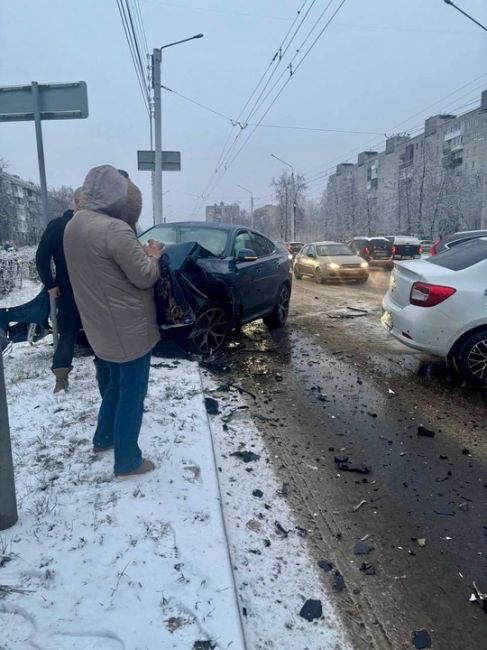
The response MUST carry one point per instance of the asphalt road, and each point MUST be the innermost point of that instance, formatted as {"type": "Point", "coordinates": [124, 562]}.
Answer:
{"type": "Point", "coordinates": [333, 384]}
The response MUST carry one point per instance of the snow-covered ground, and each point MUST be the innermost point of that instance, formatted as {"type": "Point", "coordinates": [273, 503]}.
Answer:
{"type": "Point", "coordinates": [97, 563]}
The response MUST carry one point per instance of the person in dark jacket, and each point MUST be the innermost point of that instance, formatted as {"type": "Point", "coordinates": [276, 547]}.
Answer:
{"type": "Point", "coordinates": [50, 250]}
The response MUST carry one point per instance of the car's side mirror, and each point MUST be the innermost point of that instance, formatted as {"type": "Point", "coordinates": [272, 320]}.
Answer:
{"type": "Point", "coordinates": [246, 255]}
{"type": "Point", "coordinates": [311, 255]}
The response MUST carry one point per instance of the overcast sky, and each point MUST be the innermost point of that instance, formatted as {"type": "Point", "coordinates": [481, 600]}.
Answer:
{"type": "Point", "coordinates": [378, 68]}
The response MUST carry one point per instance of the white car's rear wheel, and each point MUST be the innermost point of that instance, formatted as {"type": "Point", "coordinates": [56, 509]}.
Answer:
{"type": "Point", "coordinates": [471, 358]}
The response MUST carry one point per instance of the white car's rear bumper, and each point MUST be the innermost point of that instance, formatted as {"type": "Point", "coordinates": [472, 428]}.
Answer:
{"type": "Point", "coordinates": [415, 327]}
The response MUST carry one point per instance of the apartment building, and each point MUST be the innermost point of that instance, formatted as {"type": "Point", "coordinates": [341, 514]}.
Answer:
{"type": "Point", "coordinates": [427, 184]}
{"type": "Point", "coordinates": [20, 210]}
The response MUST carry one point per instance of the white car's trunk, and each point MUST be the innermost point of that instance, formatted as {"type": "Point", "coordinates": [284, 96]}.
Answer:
{"type": "Point", "coordinates": [406, 274]}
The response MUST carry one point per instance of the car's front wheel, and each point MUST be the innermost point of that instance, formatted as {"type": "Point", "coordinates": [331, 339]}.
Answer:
{"type": "Point", "coordinates": [210, 330]}
{"type": "Point", "coordinates": [297, 274]}
{"type": "Point", "coordinates": [471, 358]}
{"type": "Point", "coordinates": [318, 275]}
{"type": "Point", "coordinates": [278, 317]}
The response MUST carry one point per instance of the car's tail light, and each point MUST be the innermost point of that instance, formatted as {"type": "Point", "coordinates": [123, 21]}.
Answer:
{"type": "Point", "coordinates": [367, 250]}
{"type": "Point", "coordinates": [393, 250]}
{"type": "Point", "coordinates": [421, 250]}
{"type": "Point", "coordinates": [429, 295]}
{"type": "Point", "coordinates": [433, 250]}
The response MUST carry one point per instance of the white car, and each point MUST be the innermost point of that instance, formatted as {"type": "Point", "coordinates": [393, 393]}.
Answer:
{"type": "Point", "coordinates": [439, 305]}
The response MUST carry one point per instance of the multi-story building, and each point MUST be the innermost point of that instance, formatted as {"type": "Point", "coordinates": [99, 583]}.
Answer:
{"type": "Point", "coordinates": [223, 213]}
{"type": "Point", "coordinates": [432, 183]}
{"type": "Point", "coordinates": [20, 210]}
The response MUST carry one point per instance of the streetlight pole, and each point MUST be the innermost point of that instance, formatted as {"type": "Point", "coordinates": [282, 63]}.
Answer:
{"type": "Point", "coordinates": [449, 2]}
{"type": "Point", "coordinates": [156, 85]}
{"type": "Point", "coordinates": [293, 205]}
{"type": "Point", "coordinates": [251, 204]}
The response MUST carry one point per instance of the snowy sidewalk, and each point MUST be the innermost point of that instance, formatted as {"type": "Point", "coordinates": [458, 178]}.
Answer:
{"type": "Point", "coordinates": [96, 563]}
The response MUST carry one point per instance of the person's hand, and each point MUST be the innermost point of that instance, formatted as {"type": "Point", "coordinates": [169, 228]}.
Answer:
{"type": "Point", "coordinates": [154, 248]}
{"type": "Point", "coordinates": [54, 292]}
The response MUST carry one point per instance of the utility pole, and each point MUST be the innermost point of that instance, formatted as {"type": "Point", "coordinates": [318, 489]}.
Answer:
{"type": "Point", "coordinates": [156, 85]}
{"type": "Point", "coordinates": [251, 204]}
{"type": "Point", "coordinates": [8, 502]}
{"type": "Point", "coordinates": [293, 206]}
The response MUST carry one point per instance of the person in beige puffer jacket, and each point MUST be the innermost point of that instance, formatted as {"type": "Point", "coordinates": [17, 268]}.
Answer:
{"type": "Point", "coordinates": [112, 276]}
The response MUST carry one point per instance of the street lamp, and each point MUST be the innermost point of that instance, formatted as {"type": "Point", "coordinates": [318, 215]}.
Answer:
{"type": "Point", "coordinates": [156, 85]}
{"type": "Point", "coordinates": [293, 205]}
{"type": "Point", "coordinates": [251, 204]}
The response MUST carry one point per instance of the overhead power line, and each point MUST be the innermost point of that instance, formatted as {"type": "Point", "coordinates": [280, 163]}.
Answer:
{"type": "Point", "coordinates": [300, 62]}
{"type": "Point", "coordinates": [230, 156]}
{"type": "Point", "coordinates": [134, 49]}
{"type": "Point", "coordinates": [234, 122]}
{"type": "Point", "coordinates": [274, 62]}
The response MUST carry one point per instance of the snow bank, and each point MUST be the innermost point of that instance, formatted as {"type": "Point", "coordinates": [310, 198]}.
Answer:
{"type": "Point", "coordinates": [105, 564]}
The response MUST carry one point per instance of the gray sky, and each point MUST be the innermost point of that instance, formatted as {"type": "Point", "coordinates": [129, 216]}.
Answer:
{"type": "Point", "coordinates": [379, 64]}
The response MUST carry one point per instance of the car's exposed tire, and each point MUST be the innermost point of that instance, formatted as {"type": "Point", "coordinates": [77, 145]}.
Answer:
{"type": "Point", "coordinates": [471, 358]}
{"type": "Point", "coordinates": [279, 315]}
{"type": "Point", "coordinates": [297, 274]}
{"type": "Point", "coordinates": [210, 330]}
{"type": "Point", "coordinates": [318, 275]}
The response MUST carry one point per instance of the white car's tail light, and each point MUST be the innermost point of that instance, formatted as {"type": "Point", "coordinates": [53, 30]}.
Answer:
{"type": "Point", "coordinates": [429, 295]}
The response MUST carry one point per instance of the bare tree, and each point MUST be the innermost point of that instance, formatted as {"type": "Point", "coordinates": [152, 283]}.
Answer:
{"type": "Point", "coordinates": [60, 200]}
{"type": "Point", "coordinates": [285, 194]}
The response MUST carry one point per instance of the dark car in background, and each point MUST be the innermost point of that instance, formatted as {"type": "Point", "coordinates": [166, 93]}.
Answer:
{"type": "Point", "coordinates": [294, 247]}
{"type": "Point", "coordinates": [405, 247]}
{"type": "Point", "coordinates": [231, 275]}
{"type": "Point", "coordinates": [377, 251]}
{"type": "Point", "coordinates": [456, 239]}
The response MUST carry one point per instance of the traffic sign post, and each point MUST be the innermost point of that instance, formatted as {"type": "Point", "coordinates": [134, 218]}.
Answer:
{"type": "Point", "coordinates": [8, 502]}
{"type": "Point", "coordinates": [170, 161]}
{"type": "Point", "coordinates": [33, 103]}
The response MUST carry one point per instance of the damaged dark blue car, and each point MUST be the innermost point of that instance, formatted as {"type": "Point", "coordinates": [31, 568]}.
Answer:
{"type": "Point", "coordinates": [230, 275]}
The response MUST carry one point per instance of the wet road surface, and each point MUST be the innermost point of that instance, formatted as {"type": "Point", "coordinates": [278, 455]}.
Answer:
{"type": "Point", "coordinates": [339, 387]}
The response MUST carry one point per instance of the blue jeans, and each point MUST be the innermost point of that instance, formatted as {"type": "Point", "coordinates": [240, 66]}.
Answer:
{"type": "Point", "coordinates": [120, 415]}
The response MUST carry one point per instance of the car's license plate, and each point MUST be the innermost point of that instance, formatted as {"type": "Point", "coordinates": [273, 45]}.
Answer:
{"type": "Point", "coordinates": [387, 320]}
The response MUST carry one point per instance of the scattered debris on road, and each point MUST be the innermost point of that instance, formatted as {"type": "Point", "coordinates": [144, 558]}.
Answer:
{"type": "Point", "coordinates": [325, 565]}
{"type": "Point", "coordinates": [344, 465]}
{"type": "Point", "coordinates": [211, 406]}
{"type": "Point", "coordinates": [311, 610]}
{"type": "Point", "coordinates": [424, 432]}
{"type": "Point", "coordinates": [280, 529]}
{"type": "Point", "coordinates": [246, 456]}
{"type": "Point", "coordinates": [284, 491]}
{"type": "Point", "coordinates": [338, 581]}
{"type": "Point", "coordinates": [421, 639]}
{"type": "Point", "coordinates": [420, 541]}
{"type": "Point", "coordinates": [204, 645]}
{"type": "Point", "coordinates": [367, 568]}
{"type": "Point", "coordinates": [362, 548]}
{"type": "Point", "coordinates": [478, 597]}
{"type": "Point", "coordinates": [359, 505]}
